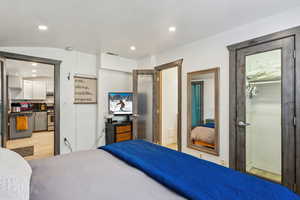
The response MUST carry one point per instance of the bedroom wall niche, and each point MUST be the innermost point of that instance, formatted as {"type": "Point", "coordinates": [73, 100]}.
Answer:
{"type": "Point", "coordinates": [203, 114]}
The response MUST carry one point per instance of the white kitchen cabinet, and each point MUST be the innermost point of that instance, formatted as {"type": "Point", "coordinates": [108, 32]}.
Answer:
{"type": "Point", "coordinates": [39, 90]}
{"type": "Point", "coordinates": [28, 89]}
{"type": "Point", "coordinates": [16, 94]}
{"type": "Point", "coordinates": [15, 82]}
{"type": "Point", "coordinates": [50, 85]}
{"type": "Point", "coordinates": [34, 90]}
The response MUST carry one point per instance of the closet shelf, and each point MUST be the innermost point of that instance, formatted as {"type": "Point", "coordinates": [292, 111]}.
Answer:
{"type": "Point", "coordinates": [264, 82]}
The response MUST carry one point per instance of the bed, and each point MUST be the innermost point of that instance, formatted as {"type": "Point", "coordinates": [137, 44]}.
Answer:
{"type": "Point", "coordinates": [141, 170]}
{"type": "Point", "coordinates": [93, 175]}
{"type": "Point", "coordinates": [204, 135]}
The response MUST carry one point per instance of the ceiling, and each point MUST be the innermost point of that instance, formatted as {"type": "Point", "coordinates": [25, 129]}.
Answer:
{"type": "Point", "coordinates": [25, 69]}
{"type": "Point", "coordinates": [95, 26]}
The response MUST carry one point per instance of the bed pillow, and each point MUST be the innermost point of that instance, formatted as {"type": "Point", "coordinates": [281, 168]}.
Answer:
{"type": "Point", "coordinates": [15, 174]}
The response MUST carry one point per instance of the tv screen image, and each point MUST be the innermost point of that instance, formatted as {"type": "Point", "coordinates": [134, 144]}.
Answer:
{"type": "Point", "coordinates": [120, 103]}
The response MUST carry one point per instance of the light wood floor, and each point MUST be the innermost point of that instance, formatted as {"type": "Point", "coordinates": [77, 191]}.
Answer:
{"type": "Point", "coordinates": [265, 174]}
{"type": "Point", "coordinates": [171, 146]}
{"type": "Point", "coordinates": [43, 143]}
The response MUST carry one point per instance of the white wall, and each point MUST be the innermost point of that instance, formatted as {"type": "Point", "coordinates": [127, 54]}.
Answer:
{"type": "Point", "coordinates": [114, 75]}
{"type": "Point", "coordinates": [110, 81]}
{"type": "Point", "coordinates": [85, 115]}
{"type": "Point", "coordinates": [147, 62]}
{"type": "Point", "coordinates": [212, 52]}
{"type": "Point", "coordinates": [117, 63]}
{"type": "Point", "coordinates": [169, 105]}
{"type": "Point", "coordinates": [78, 122]}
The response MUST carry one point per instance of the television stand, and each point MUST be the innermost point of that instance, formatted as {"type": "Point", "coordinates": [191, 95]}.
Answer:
{"type": "Point", "coordinates": [128, 118]}
{"type": "Point", "coordinates": [118, 131]}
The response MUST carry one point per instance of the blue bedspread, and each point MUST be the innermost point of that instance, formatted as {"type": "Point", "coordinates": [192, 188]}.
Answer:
{"type": "Point", "coordinates": [195, 178]}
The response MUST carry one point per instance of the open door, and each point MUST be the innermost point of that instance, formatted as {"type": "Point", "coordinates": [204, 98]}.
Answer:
{"type": "Point", "coordinates": [3, 103]}
{"type": "Point", "coordinates": [266, 150]}
{"type": "Point", "coordinates": [145, 105]}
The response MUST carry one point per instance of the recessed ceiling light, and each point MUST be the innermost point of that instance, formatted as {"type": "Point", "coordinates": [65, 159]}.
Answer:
{"type": "Point", "coordinates": [34, 71]}
{"type": "Point", "coordinates": [43, 27]}
{"type": "Point", "coordinates": [172, 29]}
{"type": "Point", "coordinates": [132, 48]}
{"type": "Point", "coordinates": [33, 75]}
{"type": "Point", "coordinates": [34, 64]}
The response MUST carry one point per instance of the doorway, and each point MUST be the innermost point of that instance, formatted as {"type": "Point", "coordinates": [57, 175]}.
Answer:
{"type": "Point", "coordinates": [169, 105]}
{"type": "Point", "coordinates": [147, 103]}
{"type": "Point", "coordinates": [30, 105]}
{"type": "Point", "coordinates": [263, 96]}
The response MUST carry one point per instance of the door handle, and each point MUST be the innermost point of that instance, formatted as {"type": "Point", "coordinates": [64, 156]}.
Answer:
{"type": "Point", "coordinates": [135, 115]}
{"type": "Point", "coordinates": [243, 124]}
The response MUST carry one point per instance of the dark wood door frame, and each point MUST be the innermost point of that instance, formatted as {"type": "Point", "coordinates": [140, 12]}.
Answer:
{"type": "Point", "coordinates": [56, 64]}
{"type": "Point", "coordinates": [159, 69]}
{"type": "Point", "coordinates": [233, 49]}
{"type": "Point", "coordinates": [4, 107]}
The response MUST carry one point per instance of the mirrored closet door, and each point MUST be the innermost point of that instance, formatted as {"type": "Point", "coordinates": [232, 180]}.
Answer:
{"type": "Point", "coordinates": [265, 111]}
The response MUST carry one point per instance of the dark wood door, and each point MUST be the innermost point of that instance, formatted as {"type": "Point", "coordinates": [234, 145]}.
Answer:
{"type": "Point", "coordinates": [3, 104]}
{"type": "Point", "coordinates": [145, 105]}
{"type": "Point", "coordinates": [265, 131]}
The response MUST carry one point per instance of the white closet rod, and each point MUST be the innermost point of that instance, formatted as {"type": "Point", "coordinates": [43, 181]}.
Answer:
{"type": "Point", "coordinates": [86, 75]}
{"type": "Point", "coordinates": [265, 82]}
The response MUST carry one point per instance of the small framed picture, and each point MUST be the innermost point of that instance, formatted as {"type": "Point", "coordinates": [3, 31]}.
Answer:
{"type": "Point", "coordinates": [85, 90]}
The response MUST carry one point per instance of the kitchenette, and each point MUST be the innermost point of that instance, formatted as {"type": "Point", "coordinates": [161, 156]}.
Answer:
{"type": "Point", "coordinates": [27, 117]}
{"type": "Point", "coordinates": [31, 116]}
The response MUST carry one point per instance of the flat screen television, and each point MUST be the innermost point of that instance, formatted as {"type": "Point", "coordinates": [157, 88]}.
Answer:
{"type": "Point", "coordinates": [120, 103]}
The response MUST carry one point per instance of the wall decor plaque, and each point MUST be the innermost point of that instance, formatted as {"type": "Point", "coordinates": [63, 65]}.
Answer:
{"type": "Point", "coordinates": [85, 90]}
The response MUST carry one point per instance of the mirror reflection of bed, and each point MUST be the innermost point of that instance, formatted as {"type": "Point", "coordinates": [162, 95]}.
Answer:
{"type": "Point", "coordinates": [202, 115]}
{"type": "Point", "coordinates": [204, 134]}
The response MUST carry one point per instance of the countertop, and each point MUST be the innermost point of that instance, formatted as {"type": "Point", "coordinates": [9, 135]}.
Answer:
{"type": "Point", "coordinates": [25, 112]}
{"type": "Point", "coordinates": [20, 113]}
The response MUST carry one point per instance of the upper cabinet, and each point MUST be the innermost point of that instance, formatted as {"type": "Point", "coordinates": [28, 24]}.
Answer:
{"type": "Point", "coordinates": [27, 89]}
{"type": "Point", "coordinates": [15, 82]}
{"type": "Point", "coordinates": [39, 90]}
{"type": "Point", "coordinates": [50, 86]}
{"type": "Point", "coordinates": [32, 90]}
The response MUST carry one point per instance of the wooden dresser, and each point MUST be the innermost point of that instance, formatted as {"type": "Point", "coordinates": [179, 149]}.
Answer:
{"type": "Point", "coordinates": [118, 132]}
